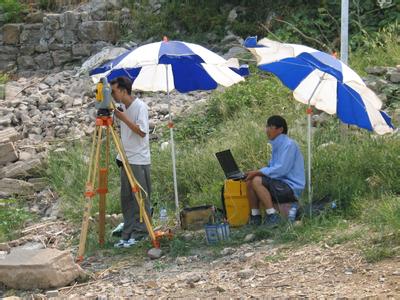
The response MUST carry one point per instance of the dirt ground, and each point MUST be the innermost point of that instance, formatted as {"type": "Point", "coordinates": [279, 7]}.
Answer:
{"type": "Point", "coordinates": [250, 271]}
{"type": "Point", "coordinates": [258, 269]}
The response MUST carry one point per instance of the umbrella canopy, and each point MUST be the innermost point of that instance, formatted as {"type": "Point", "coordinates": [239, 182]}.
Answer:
{"type": "Point", "coordinates": [320, 80]}
{"type": "Point", "coordinates": [191, 67]}
{"type": "Point", "coordinates": [168, 65]}
{"type": "Point", "coordinates": [323, 81]}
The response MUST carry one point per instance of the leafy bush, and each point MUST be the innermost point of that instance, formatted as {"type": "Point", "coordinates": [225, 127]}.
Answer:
{"type": "Point", "coordinates": [189, 20]}
{"type": "Point", "coordinates": [12, 10]}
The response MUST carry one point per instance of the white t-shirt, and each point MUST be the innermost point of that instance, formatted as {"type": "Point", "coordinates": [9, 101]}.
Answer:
{"type": "Point", "coordinates": [137, 148]}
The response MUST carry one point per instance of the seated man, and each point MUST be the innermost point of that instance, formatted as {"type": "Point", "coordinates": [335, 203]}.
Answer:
{"type": "Point", "coordinates": [282, 181]}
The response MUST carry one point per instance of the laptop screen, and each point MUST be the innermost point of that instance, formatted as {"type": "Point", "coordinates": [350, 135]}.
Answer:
{"type": "Point", "coordinates": [227, 163]}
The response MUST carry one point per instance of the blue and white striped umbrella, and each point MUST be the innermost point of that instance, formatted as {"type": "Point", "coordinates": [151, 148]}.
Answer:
{"type": "Point", "coordinates": [323, 81]}
{"type": "Point", "coordinates": [168, 65]}
{"type": "Point", "coordinates": [320, 80]}
{"type": "Point", "coordinates": [189, 67]}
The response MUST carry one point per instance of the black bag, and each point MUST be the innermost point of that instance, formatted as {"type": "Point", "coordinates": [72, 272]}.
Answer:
{"type": "Point", "coordinates": [318, 207]}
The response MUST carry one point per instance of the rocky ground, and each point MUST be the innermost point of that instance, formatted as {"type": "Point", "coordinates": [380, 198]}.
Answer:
{"type": "Point", "coordinates": [256, 269]}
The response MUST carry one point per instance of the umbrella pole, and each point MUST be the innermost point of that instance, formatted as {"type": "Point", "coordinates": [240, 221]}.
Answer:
{"type": "Point", "coordinates": [309, 113]}
{"type": "Point", "coordinates": [171, 131]}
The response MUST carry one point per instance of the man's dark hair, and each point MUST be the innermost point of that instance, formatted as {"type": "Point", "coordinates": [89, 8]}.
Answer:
{"type": "Point", "coordinates": [278, 122]}
{"type": "Point", "coordinates": [123, 83]}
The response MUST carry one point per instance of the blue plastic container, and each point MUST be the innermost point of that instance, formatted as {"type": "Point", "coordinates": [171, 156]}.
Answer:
{"type": "Point", "coordinates": [217, 232]}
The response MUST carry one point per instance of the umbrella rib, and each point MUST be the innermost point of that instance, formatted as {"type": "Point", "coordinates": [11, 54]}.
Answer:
{"type": "Point", "coordinates": [346, 86]}
{"type": "Point", "coordinates": [127, 73]}
{"type": "Point", "coordinates": [284, 62]}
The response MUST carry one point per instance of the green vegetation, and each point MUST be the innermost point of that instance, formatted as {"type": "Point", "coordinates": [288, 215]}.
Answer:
{"type": "Point", "coordinates": [4, 77]}
{"type": "Point", "coordinates": [13, 10]}
{"type": "Point", "coordinates": [12, 218]}
{"type": "Point", "coordinates": [3, 80]}
{"type": "Point", "coordinates": [383, 219]}
{"type": "Point", "coordinates": [384, 48]}
{"type": "Point", "coordinates": [47, 5]}
{"type": "Point", "coordinates": [315, 23]}
{"type": "Point", "coordinates": [67, 172]}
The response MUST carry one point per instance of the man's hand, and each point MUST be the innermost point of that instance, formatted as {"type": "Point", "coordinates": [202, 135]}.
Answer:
{"type": "Point", "coordinates": [251, 174]}
{"type": "Point", "coordinates": [124, 118]}
{"type": "Point", "coordinates": [121, 115]}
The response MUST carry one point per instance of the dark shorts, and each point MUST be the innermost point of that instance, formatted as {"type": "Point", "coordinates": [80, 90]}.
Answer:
{"type": "Point", "coordinates": [279, 190]}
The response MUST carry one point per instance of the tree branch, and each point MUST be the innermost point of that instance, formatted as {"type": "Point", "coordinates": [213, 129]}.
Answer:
{"type": "Point", "coordinates": [265, 27]}
{"type": "Point", "coordinates": [306, 36]}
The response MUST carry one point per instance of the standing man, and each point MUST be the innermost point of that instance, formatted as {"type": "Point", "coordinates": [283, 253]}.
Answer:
{"type": "Point", "coordinates": [282, 180]}
{"type": "Point", "coordinates": [135, 140]}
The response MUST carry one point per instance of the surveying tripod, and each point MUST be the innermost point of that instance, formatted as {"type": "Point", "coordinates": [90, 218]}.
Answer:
{"type": "Point", "coordinates": [104, 120]}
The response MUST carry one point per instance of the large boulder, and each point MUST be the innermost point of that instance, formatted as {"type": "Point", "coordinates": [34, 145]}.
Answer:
{"type": "Point", "coordinates": [98, 31]}
{"type": "Point", "coordinates": [9, 187]}
{"type": "Point", "coordinates": [11, 34]}
{"type": "Point", "coordinates": [30, 34]}
{"type": "Point", "coordinates": [8, 58]}
{"type": "Point", "coordinates": [38, 268]}
{"type": "Point", "coordinates": [21, 168]}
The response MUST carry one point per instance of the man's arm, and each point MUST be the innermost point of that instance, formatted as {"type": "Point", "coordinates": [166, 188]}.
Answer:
{"type": "Point", "coordinates": [251, 174]}
{"type": "Point", "coordinates": [124, 118]}
{"type": "Point", "coordinates": [283, 165]}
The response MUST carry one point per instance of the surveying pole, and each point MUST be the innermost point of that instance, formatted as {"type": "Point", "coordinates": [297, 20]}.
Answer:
{"type": "Point", "coordinates": [104, 121]}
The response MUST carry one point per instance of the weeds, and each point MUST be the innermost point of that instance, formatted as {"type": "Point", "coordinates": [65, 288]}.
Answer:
{"type": "Point", "coordinates": [275, 258]}
{"type": "Point", "coordinates": [12, 218]}
{"type": "Point", "coordinates": [382, 216]}
{"type": "Point", "coordinates": [4, 77]}
{"type": "Point", "coordinates": [67, 172]}
{"type": "Point", "coordinates": [386, 48]}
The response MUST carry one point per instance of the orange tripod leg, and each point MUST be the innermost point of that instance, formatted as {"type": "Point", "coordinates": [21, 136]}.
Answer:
{"type": "Point", "coordinates": [134, 184]}
{"type": "Point", "coordinates": [102, 190]}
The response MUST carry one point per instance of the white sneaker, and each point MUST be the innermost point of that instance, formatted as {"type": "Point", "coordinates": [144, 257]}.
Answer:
{"type": "Point", "coordinates": [129, 243]}
{"type": "Point", "coordinates": [125, 243]}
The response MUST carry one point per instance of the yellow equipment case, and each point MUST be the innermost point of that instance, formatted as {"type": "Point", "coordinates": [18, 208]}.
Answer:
{"type": "Point", "coordinates": [235, 203]}
{"type": "Point", "coordinates": [236, 206]}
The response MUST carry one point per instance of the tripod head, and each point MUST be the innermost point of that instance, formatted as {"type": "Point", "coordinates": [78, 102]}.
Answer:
{"type": "Point", "coordinates": [103, 98]}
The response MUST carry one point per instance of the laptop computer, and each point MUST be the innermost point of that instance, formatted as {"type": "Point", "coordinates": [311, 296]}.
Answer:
{"type": "Point", "coordinates": [229, 166]}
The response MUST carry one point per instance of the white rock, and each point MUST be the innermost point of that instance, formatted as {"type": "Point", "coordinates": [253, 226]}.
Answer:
{"type": "Point", "coordinates": [154, 253]}
{"type": "Point", "coordinates": [44, 268]}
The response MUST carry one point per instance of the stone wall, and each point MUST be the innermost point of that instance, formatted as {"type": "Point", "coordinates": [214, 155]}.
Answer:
{"type": "Point", "coordinates": [52, 41]}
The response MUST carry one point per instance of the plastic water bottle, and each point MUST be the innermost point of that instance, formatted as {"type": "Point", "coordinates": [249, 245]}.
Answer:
{"type": "Point", "coordinates": [293, 212]}
{"type": "Point", "coordinates": [163, 215]}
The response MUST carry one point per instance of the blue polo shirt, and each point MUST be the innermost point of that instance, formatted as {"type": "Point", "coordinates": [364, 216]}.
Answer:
{"type": "Point", "coordinates": [286, 164]}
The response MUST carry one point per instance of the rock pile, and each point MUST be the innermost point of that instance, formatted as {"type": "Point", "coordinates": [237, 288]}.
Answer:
{"type": "Point", "coordinates": [385, 82]}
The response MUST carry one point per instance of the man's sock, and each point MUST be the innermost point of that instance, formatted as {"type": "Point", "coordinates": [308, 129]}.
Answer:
{"type": "Point", "coordinates": [255, 212]}
{"type": "Point", "coordinates": [270, 211]}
